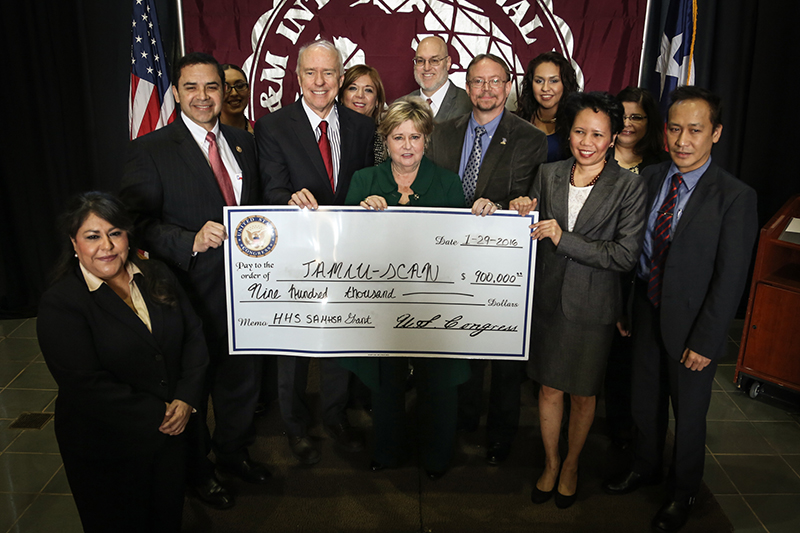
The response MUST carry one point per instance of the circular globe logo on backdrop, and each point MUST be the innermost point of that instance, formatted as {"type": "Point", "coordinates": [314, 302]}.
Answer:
{"type": "Point", "coordinates": [384, 34]}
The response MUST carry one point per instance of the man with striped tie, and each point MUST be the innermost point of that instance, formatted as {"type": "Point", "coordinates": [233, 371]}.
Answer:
{"type": "Point", "coordinates": [497, 154]}
{"type": "Point", "coordinates": [701, 230]}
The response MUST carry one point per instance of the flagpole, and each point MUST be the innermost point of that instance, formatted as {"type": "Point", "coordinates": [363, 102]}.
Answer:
{"type": "Point", "coordinates": [644, 41]}
{"type": "Point", "coordinates": [182, 40]}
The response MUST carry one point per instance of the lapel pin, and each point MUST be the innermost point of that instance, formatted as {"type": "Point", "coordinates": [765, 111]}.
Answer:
{"type": "Point", "coordinates": [239, 149]}
{"type": "Point", "coordinates": [503, 141]}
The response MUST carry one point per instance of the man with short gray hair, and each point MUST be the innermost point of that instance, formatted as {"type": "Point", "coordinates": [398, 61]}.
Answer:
{"type": "Point", "coordinates": [308, 152]}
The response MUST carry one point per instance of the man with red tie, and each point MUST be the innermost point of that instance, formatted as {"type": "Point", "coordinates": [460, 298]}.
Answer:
{"type": "Point", "coordinates": [307, 152]}
{"type": "Point", "coordinates": [176, 182]}
{"type": "Point", "coordinates": [700, 234]}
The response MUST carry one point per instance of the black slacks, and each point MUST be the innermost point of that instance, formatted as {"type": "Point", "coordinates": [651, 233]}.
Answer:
{"type": "Point", "coordinates": [502, 422]}
{"type": "Point", "coordinates": [292, 383]}
{"type": "Point", "coordinates": [131, 494]}
{"type": "Point", "coordinates": [657, 378]}
{"type": "Point", "coordinates": [234, 383]}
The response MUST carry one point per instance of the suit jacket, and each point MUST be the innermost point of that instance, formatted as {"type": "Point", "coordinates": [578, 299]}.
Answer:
{"type": "Point", "coordinates": [456, 102]}
{"type": "Point", "coordinates": [433, 186]}
{"type": "Point", "coordinates": [708, 260]}
{"type": "Point", "coordinates": [169, 186]}
{"type": "Point", "coordinates": [584, 272]}
{"type": "Point", "coordinates": [114, 376]}
{"type": "Point", "coordinates": [289, 156]}
{"type": "Point", "coordinates": [509, 164]}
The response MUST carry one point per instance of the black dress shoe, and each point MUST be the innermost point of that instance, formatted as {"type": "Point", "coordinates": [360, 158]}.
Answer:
{"type": "Point", "coordinates": [375, 466]}
{"type": "Point", "coordinates": [304, 450]}
{"type": "Point", "coordinates": [212, 493]}
{"type": "Point", "coordinates": [672, 516]}
{"type": "Point", "coordinates": [247, 470]}
{"type": "Point", "coordinates": [497, 453]}
{"type": "Point", "coordinates": [628, 482]}
{"type": "Point", "coordinates": [435, 474]}
{"type": "Point", "coordinates": [346, 437]}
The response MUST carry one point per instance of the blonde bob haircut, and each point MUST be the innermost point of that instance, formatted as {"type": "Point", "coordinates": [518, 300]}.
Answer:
{"type": "Point", "coordinates": [411, 108]}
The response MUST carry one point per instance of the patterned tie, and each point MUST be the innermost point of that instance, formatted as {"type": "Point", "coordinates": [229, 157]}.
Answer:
{"type": "Point", "coordinates": [223, 179]}
{"type": "Point", "coordinates": [470, 180]}
{"type": "Point", "coordinates": [325, 150]}
{"type": "Point", "coordinates": [661, 241]}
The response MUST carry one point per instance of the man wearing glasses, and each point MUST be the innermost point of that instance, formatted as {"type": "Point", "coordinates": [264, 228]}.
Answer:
{"type": "Point", "coordinates": [431, 65]}
{"type": "Point", "coordinates": [496, 154]}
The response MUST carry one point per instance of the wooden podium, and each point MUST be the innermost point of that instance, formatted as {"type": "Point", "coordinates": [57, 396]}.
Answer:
{"type": "Point", "coordinates": [770, 347]}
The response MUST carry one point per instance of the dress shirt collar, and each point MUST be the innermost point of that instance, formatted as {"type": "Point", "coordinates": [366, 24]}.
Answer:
{"type": "Point", "coordinates": [491, 126]}
{"type": "Point", "coordinates": [690, 179]}
{"type": "Point", "coordinates": [438, 97]}
{"type": "Point", "coordinates": [314, 119]}
{"type": "Point", "coordinates": [94, 283]}
{"type": "Point", "coordinates": [199, 132]}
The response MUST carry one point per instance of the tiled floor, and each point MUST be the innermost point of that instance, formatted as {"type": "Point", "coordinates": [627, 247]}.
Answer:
{"type": "Point", "coordinates": [752, 461]}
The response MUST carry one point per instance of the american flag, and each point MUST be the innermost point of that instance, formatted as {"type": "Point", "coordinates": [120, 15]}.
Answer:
{"type": "Point", "coordinates": [151, 103]}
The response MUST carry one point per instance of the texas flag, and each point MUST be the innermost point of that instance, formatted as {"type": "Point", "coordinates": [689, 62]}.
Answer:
{"type": "Point", "coordinates": [676, 62]}
{"type": "Point", "coordinates": [151, 103]}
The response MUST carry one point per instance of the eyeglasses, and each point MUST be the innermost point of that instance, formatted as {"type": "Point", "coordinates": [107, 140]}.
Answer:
{"type": "Point", "coordinates": [239, 86]}
{"type": "Point", "coordinates": [477, 83]}
{"type": "Point", "coordinates": [434, 61]}
{"type": "Point", "coordinates": [634, 118]}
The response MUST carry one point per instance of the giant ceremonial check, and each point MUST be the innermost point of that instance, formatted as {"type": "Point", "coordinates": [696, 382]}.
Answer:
{"type": "Point", "coordinates": [405, 281]}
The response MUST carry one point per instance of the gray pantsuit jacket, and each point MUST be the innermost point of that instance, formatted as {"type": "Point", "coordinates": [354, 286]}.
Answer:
{"type": "Point", "coordinates": [583, 271]}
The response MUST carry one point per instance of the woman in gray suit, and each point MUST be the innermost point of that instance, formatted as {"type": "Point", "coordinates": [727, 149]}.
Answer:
{"type": "Point", "coordinates": [590, 229]}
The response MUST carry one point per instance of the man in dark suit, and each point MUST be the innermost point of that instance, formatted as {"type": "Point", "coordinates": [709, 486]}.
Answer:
{"type": "Point", "coordinates": [701, 230]}
{"type": "Point", "coordinates": [496, 154]}
{"type": "Point", "coordinates": [308, 152]}
{"type": "Point", "coordinates": [176, 181]}
{"type": "Point", "coordinates": [431, 65]}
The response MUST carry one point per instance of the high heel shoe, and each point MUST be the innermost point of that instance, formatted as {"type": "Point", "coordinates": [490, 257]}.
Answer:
{"type": "Point", "coordinates": [539, 496]}
{"type": "Point", "coordinates": [563, 501]}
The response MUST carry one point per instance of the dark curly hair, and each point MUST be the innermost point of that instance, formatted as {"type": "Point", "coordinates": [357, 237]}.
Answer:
{"type": "Point", "coordinates": [652, 144]}
{"type": "Point", "coordinates": [597, 101]}
{"type": "Point", "coordinates": [526, 103]}
{"type": "Point", "coordinates": [160, 285]}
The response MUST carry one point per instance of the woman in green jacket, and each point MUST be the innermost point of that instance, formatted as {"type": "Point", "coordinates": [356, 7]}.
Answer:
{"type": "Point", "coordinates": [408, 178]}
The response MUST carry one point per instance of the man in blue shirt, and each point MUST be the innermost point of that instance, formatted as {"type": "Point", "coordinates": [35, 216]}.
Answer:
{"type": "Point", "coordinates": [700, 235]}
{"type": "Point", "coordinates": [496, 169]}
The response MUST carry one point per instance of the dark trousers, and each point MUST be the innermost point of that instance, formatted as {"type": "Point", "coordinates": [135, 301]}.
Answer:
{"type": "Point", "coordinates": [437, 407]}
{"type": "Point", "coordinates": [292, 383]}
{"type": "Point", "coordinates": [657, 378]}
{"type": "Point", "coordinates": [132, 494]}
{"type": "Point", "coordinates": [233, 381]}
{"type": "Point", "coordinates": [504, 398]}
{"type": "Point", "coordinates": [617, 385]}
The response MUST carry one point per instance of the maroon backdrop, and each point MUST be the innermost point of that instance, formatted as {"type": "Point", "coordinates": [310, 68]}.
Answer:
{"type": "Point", "coordinates": [602, 38]}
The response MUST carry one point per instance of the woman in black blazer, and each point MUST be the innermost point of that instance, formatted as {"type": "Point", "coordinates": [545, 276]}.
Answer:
{"type": "Point", "coordinates": [127, 351]}
{"type": "Point", "coordinates": [590, 229]}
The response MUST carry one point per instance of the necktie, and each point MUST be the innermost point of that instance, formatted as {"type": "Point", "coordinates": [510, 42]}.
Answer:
{"type": "Point", "coordinates": [661, 242]}
{"type": "Point", "coordinates": [470, 180]}
{"type": "Point", "coordinates": [223, 179]}
{"type": "Point", "coordinates": [325, 150]}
